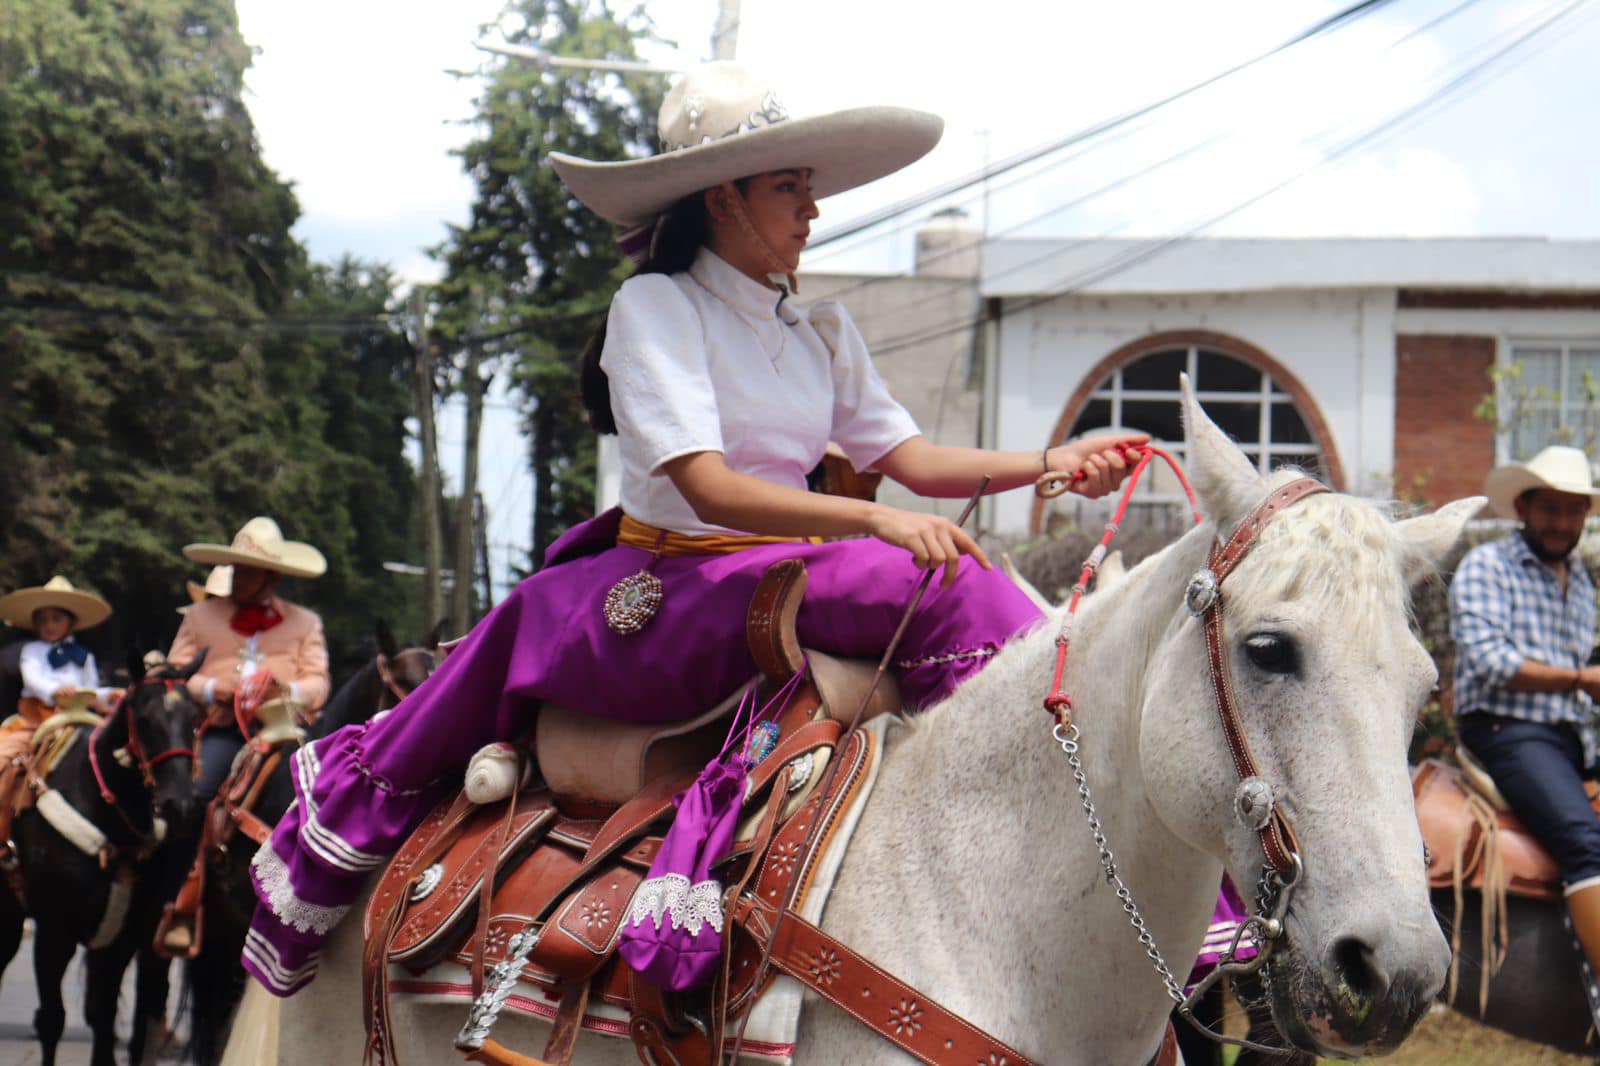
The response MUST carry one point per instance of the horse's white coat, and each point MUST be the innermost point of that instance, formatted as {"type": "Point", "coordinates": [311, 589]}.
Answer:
{"type": "Point", "coordinates": [973, 876]}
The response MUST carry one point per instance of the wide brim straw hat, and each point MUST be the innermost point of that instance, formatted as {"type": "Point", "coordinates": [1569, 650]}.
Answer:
{"type": "Point", "coordinates": [219, 582]}
{"type": "Point", "coordinates": [721, 122]}
{"type": "Point", "coordinates": [1558, 467]}
{"type": "Point", "coordinates": [260, 543]}
{"type": "Point", "coordinates": [87, 609]}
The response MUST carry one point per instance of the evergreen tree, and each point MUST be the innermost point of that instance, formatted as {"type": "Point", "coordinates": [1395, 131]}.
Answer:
{"type": "Point", "coordinates": [544, 265]}
{"type": "Point", "coordinates": [174, 363]}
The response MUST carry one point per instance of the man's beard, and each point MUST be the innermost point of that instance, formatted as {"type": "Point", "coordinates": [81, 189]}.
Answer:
{"type": "Point", "coordinates": [1536, 545]}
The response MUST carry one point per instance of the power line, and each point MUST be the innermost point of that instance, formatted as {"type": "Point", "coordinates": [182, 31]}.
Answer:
{"type": "Point", "coordinates": [1345, 15]}
{"type": "Point", "coordinates": [960, 247]}
{"type": "Point", "coordinates": [1396, 122]}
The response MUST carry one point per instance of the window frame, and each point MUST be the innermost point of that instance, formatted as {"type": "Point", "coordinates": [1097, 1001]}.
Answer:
{"type": "Point", "coordinates": [1288, 389]}
{"type": "Point", "coordinates": [1505, 347]}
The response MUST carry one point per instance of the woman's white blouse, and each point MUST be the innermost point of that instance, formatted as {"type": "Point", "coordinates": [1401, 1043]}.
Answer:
{"type": "Point", "coordinates": [40, 680]}
{"type": "Point", "coordinates": [703, 361]}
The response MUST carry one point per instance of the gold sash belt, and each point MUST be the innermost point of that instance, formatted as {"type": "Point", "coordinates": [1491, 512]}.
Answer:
{"type": "Point", "coordinates": [666, 543]}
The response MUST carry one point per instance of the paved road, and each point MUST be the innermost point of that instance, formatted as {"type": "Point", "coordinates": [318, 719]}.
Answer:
{"type": "Point", "coordinates": [18, 1000]}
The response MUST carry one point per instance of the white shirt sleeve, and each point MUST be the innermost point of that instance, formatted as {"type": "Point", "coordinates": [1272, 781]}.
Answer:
{"type": "Point", "coordinates": [655, 357]}
{"type": "Point", "coordinates": [868, 423]}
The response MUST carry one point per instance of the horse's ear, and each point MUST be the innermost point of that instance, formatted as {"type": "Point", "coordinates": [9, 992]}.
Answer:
{"type": "Point", "coordinates": [135, 665]}
{"type": "Point", "coordinates": [1024, 584]}
{"type": "Point", "coordinates": [1428, 538]}
{"type": "Point", "coordinates": [387, 645]}
{"type": "Point", "coordinates": [436, 635]}
{"type": "Point", "coordinates": [1112, 571]}
{"type": "Point", "coordinates": [194, 665]}
{"type": "Point", "coordinates": [1225, 481]}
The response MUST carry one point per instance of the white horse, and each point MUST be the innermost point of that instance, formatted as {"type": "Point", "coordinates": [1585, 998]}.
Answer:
{"type": "Point", "coordinates": [973, 875]}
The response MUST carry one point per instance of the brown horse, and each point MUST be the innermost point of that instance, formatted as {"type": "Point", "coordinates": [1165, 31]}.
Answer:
{"type": "Point", "coordinates": [215, 977]}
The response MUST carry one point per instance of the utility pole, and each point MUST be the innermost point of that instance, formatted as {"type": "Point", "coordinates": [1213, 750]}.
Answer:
{"type": "Point", "coordinates": [473, 386]}
{"type": "Point", "coordinates": [422, 396]}
{"type": "Point", "coordinates": [725, 38]}
{"type": "Point", "coordinates": [483, 554]}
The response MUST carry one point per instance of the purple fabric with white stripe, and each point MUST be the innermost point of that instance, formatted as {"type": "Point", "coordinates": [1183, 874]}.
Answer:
{"type": "Point", "coordinates": [361, 790]}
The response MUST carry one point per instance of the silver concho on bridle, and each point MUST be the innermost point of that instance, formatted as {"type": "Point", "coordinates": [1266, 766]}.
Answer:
{"type": "Point", "coordinates": [1201, 592]}
{"type": "Point", "coordinates": [1252, 803]}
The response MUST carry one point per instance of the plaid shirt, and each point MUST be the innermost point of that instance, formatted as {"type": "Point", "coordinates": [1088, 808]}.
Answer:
{"type": "Point", "coordinates": [1507, 606]}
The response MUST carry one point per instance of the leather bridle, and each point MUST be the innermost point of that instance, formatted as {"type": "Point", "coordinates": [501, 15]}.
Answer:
{"type": "Point", "coordinates": [134, 747]}
{"type": "Point", "coordinates": [1254, 803]}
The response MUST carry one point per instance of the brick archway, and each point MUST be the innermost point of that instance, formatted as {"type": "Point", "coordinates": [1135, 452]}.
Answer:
{"type": "Point", "coordinates": [1223, 344]}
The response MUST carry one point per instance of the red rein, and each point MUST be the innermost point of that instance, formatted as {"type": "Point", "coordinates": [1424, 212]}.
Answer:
{"type": "Point", "coordinates": [1058, 703]}
{"type": "Point", "coordinates": [134, 747]}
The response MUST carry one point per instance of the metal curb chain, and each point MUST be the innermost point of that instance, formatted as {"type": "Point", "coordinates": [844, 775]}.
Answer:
{"type": "Point", "coordinates": [1272, 898]}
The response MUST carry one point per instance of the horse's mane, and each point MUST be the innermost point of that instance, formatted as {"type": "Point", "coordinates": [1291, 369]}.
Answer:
{"type": "Point", "coordinates": [1291, 562]}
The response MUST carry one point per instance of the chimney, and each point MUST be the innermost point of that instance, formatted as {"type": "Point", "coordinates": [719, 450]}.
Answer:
{"type": "Point", "coordinates": [947, 246]}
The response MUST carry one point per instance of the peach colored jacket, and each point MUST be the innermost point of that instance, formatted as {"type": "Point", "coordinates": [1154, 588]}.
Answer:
{"type": "Point", "coordinates": [294, 649]}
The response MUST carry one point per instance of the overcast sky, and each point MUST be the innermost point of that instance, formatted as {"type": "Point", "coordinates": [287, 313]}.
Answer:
{"type": "Point", "coordinates": [354, 106]}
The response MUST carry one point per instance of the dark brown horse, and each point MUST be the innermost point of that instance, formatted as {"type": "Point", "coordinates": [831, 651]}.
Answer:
{"type": "Point", "coordinates": [215, 977]}
{"type": "Point", "coordinates": [86, 855]}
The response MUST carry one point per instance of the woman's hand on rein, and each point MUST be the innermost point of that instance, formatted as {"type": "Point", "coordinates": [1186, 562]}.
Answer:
{"type": "Point", "coordinates": [932, 541]}
{"type": "Point", "coordinates": [1103, 460]}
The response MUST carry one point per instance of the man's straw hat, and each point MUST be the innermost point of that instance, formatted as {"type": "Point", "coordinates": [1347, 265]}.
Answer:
{"type": "Point", "coordinates": [87, 608]}
{"type": "Point", "coordinates": [721, 122]}
{"type": "Point", "coordinates": [1558, 467]}
{"type": "Point", "coordinates": [219, 582]}
{"type": "Point", "coordinates": [261, 543]}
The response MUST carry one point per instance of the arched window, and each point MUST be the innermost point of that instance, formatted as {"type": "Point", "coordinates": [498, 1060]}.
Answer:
{"type": "Point", "coordinates": [1254, 399]}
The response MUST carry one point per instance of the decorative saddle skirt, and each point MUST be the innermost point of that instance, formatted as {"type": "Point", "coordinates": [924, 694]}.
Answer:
{"type": "Point", "coordinates": [517, 905]}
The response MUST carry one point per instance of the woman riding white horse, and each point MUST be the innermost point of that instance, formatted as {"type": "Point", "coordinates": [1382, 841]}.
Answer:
{"type": "Point", "coordinates": [973, 873]}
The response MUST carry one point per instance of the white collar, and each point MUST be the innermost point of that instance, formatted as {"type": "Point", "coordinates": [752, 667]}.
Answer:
{"type": "Point", "coordinates": [739, 290]}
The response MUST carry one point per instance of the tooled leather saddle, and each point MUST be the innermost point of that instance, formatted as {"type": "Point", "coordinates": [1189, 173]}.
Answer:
{"type": "Point", "coordinates": [531, 894]}
{"type": "Point", "coordinates": [1473, 838]}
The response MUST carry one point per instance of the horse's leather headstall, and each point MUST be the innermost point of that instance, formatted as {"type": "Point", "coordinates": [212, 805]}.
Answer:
{"type": "Point", "coordinates": [1254, 803]}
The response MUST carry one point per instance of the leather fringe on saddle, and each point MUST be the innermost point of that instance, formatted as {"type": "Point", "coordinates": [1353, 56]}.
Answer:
{"type": "Point", "coordinates": [1492, 907]}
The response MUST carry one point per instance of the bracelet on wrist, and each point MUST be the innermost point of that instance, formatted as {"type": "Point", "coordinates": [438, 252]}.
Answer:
{"type": "Point", "coordinates": [1577, 680]}
{"type": "Point", "coordinates": [1045, 458]}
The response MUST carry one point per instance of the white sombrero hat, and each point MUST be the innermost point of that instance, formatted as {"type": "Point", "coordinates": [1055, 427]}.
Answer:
{"type": "Point", "coordinates": [721, 122]}
{"type": "Point", "coordinates": [1558, 467]}
{"type": "Point", "coordinates": [261, 544]}
{"type": "Point", "coordinates": [87, 608]}
{"type": "Point", "coordinates": [219, 582]}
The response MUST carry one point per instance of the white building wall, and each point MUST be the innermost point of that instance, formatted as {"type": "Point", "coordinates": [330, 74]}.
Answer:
{"type": "Point", "coordinates": [1339, 343]}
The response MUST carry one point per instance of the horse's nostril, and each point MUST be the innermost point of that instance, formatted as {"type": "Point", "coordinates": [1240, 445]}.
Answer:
{"type": "Point", "coordinates": [1355, 967]}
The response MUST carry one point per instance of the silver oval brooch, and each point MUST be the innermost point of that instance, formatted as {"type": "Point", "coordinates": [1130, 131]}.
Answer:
{"type": "Point", "coordinates": [1201, 593]}
{"type": "Point", "coordinates": [632, 602]}
{"type": "Point", "coordinates": [1252, 803]}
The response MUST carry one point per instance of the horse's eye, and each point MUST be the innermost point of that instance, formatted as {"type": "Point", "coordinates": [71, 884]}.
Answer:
{"type": "Point", "coordinates": [1272, 652]}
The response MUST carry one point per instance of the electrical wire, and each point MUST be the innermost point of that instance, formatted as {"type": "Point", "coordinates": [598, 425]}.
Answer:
{"type": "Point", "coordinates": [1447, 94]}
{"type": "Point", "coordinates": [976, 242]}
{"type": "Point", "coordinates": [1325, 25]}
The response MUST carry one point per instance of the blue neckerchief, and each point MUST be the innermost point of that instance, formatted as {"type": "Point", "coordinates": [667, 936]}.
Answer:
{"type": "Point", "coordinates": [67, 651]}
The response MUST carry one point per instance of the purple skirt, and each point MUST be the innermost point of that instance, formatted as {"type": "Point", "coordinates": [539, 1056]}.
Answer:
{"type": "Point", "coordinates": [361, 790]}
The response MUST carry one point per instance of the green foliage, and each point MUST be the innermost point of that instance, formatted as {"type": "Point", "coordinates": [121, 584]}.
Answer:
{"type": "Point", "coordinates": [173, 364]}
{"type": "Point", "coordinates": [1512, 404]}
{"type": "Point", "coordinates": [545, 266]}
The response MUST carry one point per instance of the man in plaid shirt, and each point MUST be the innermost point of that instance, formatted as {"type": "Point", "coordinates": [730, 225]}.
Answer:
{"type": "Point", "coordinates": [1522, 611]}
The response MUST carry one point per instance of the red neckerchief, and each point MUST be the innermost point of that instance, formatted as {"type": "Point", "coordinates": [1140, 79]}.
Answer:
{"type": "Point", "coordinates": [256, 618]}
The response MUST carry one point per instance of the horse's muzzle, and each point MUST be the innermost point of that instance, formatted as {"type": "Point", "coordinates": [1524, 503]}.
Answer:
{"type": "Point", "coordinates": [1353, 1003]}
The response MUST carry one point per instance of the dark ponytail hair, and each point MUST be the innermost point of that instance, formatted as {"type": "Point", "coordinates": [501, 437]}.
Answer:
{"type": "Point", "coordinates": [683, 232]}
